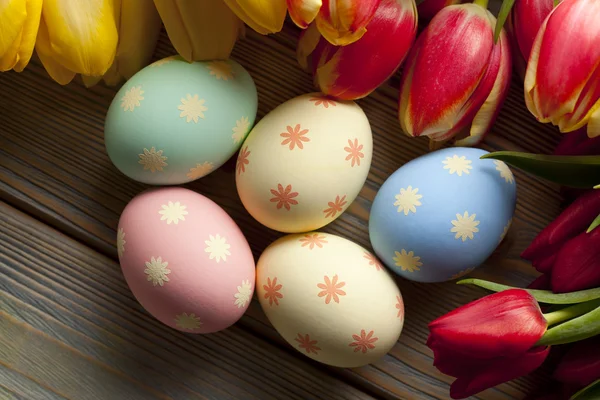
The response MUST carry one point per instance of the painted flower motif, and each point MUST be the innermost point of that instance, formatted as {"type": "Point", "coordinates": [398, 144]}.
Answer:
{"type": "Point", "coordinates": [335, 206]}
{"type": "Point", "coordinates": [310, 346]}
{"type": "Point", "coordinates": [200, 170]}
{"type": "Point", "coordinates": [459, 165]}
{"type": "Point", "coordinates": [400, 307]}
{"type": "Point", "coordinates": [192, 108]}
{"type": "Point", "coordinates": [407, 261]}
{"type": "Point", "coordinates": [242, 160]}
{"type": "Point", "coordinates": [354, 152]}
{"type": "Point", "coordinates": [373, 261]}
{"type": "Point", "coordinates": [464, 226]}
{"type": "Point", "coordinates": [157, 271]}
{"type": "Point", "coordinates": [505, 172]}
{"type": "Point", "coordinates": [312, 240]}
{"type": "Point", "coordinates": [408, 200]}
{"type": "Point", "coordinates": [462, 273]}
{"type": "Point", "coordinates": [505, 231]}
{"type": "Point", "coordinates": [221, 70]}
{"type": "Point", "coordinates": [331, 289]}
{"type": "Point", "coordinates": [284, 197]}
{"type": "Point", "coordinates": [272, 291]}
{"type": "Point", "coordinates": [240, 129]}
{"type": "Point", "coordinates": [244, 292]}
{"type": "Point", "coordinates": [163, 61]}
{"type": "Point", "coordinates": [294, 137]}
{"type": "Point", "coordinates": [364, 342]}
{"type": "Point", "coordinates": [217, 247]}
{"type": "Point", "coordinates": [324, 101]}
{"type": "Point", "coordinates": [153, 160]}
{"type": "Point", "coordinates": [173, 212]}
{"type": "Point", "coordinates": [187, 322]}
{"type": "Point", "coordinates": [121, 242]}
{"type": "Point", "coordinates": [132, 98]}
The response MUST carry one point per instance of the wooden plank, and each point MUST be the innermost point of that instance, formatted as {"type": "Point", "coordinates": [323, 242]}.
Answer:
{"type": "Point", "coordinates": [69, 323]}
{"type": "Point", "coordinates": [53, 165]}
{"type": "Point", "coordinates": [14, 385]}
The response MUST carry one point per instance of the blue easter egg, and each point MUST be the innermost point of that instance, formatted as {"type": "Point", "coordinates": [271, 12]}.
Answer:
{"type": "Point", "coordinates": [441, 215]}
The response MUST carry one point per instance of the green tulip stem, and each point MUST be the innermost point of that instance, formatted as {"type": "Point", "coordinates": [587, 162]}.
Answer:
{"type": "Point", "coordinates": [571, 312]}
{"type": "Point", "coordinates": [584, 326]}
{"type": "Point", "coordinates": [482, 3]}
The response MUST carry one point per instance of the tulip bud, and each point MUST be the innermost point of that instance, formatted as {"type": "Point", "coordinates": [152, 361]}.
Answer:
{"type": "Point", "coordinates": [455, 78]}
{"type": "Point", "coordinates": [577, 265]}
{"type": "Point", "coordinates": [342, 22]}
{"type": "Point", "coordinates": [200, 30]}
{"type": "Point", "coordinates": [428, 8]}
{"type": "Point", "coordinates": [580, 366]}
{"type": "Point", "coordinates": [263, 16]}
{"type": "Point", "coordinates": [76, 37]}
{"type": "Point", "coordinates": [139, 26]}
{"type": "Point", "coordinates": [303, 12]}
{"type": "Point", "coordinates": [562, 82]}
{"type": "Point", "coordinates": [525, 19]}
{"type": "Point", "coordinates": [353, 71]}
{"type": "Point", "coordinates": [488, 341]}
{"type": "Point", "coordinates": [19, 22]}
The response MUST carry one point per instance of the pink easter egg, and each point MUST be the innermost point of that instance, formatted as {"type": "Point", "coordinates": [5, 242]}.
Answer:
{"type": "Point", "coordinates": [185, 260]}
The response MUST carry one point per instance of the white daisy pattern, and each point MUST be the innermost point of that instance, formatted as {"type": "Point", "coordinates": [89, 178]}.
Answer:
{"type": "Point", "coordinates": [157, 271]}
{"type": "Point", "coordinates": [240, 129]}
{"type": "Point", "coordinates": [408, 200]}
{"type": "Point", "coordinates": [153, 160]}
{"type": "Point", "coordinates": [244, 292]}
{"type": "Point", "coordinates": [505, 231]}
{"type": "Point", "coordinates": [192, 108]}
{"type": "Point", "coordinates": [121, 242]}
{"type": "Point", "coordinates": [407, 261]}
{"type": "Point", "coordinates": [188, 322]}
{"type": "Point", "coordinates": [132, 98]}
{"type": "Point", "coordinates": [200, 170]}
{"type": "Point", "coordinates": [221, 70]}
{"type": "Point", "coordinates": [173, 212]}
{"type": "Point", "coordinates": [505, 172]}
{"type": "Point", "coordinates": [163, 61]}
{"type": "Point", "coordinates": [217, 247]}
{"type": "Point", "coordinates": [457, 165]}
{"type": "Point", "coordinates": [465, 226]}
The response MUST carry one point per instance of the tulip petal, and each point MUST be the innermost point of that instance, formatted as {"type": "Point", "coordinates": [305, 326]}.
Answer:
{"type": "Point", "coordinates": [263, 16]}
{"type": "Point", "coordinates": [12, 18]}
{"type": "Point", "coordinates": [542, 282]}
{"type": "Point", "coordinates": [200, 30]}
{"type": "Point", "coordinates": [43, 49]}
{"type": "Point", "coordinates": [578, 144]}
{"type": "Point", "coordinates": [593, 127]}
{"type": "Point", "coordinates": [303, 12]}
{"type": "Point", "coordinates": [342, 22]}
{"type": "Point", "coordinates": [82, 35]}
{"type": "Point", "coordinates": [580, 366]}
{"type": "Point", "coordinates": [499, 371]}
{"type": "Point", "coordinates": [307, 44]}
{"type": "Point", "coordinates": [527, 17]}
{"type": "Point", "coordinates": [428, 8]}
{"type": "Point", "coordinates": [18, 55]}
{"type": "Point", "coordinates": [577, 265]}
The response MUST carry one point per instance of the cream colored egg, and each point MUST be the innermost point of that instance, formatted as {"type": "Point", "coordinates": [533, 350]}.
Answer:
{"type": "Point", "coordinates": [304, 163]}
{"type": "Point", "coordinates": [330, 298]}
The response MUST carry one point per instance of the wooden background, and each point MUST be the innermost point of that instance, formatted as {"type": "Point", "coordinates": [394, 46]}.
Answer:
{"type": "Point", "coordinates": [70, 327]}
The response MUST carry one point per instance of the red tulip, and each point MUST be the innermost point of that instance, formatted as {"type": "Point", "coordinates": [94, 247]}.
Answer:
{"type": "Point", "coordinates": [353, 71]}
{"type": "Point", "coordinates": [488, 341]}
{"type": "Point", "coordinates": [565, 251]}
{"type": "Point", "coordinates": [580, 366]}
{"type": "Point", "coordinates": [525, 19]}
{"type": "Point", "coordinates": [455, 77]}
{"type": "Point", "coordinates": [562, 82]}
{"type": "Point", "coordinates": [428, 8]}
{"type": "Point", "coordinates": [578, 144]}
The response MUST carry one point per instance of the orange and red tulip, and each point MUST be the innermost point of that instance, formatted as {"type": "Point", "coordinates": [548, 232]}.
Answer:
{"type": "Point", "coordinates": [353, 71]}
{"type": "Point", "coordinates": [562, 82]}
{"type": "Point", "coordinates": [455, 77]}
{"type": "Point", "coordinates": [303, 12]}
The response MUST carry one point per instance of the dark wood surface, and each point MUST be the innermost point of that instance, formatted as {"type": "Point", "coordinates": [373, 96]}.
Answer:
{"type": "Point", "coordinates": [70, 327]}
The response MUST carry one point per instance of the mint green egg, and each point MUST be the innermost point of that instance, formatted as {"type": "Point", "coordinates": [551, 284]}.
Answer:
{"type": "Point", "coordinates": [174, 122]}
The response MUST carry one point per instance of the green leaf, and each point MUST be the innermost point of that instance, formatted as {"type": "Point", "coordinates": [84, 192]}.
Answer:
{"type": "Point", "coordinates": [574, 330]}
{"type": "Point", "coordinates": [590, 392]}
{"type": "Point", "coordinates": [502, 16]}
{"type": "Point", "coordinates": [594, 224]}
{"type": "Point", "coordinates": [572, 171]}
{"type": "Point", "coordinates": [542, 296]}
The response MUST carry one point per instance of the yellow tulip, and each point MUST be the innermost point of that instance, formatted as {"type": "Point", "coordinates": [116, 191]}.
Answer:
{"type": "Point", "coordinates": [139, 27]}
{"type": "Point", "coordinates": [200, 30]}
{"type": "Point", "coordinates": [19, 21]}
{"type": "Point", "coordinates": [264, 16]}
{"type": "Point", "coordinates": [76, 36]}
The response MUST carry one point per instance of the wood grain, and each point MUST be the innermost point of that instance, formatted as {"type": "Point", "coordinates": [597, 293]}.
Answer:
{"type": "Point", "coordinates": [53, 165]}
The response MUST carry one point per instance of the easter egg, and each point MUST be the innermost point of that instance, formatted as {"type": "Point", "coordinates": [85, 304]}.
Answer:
{"type": "Point", "coordinates": [329, 298]}
{"type": "Point", "coordinates": [304, 163]}
{"type": "Point", "coordinates": [185, 260]}
{"type": "Point", "coordinates": [174, 121]}
{"type": "Point", "coordinates": [441, 215]}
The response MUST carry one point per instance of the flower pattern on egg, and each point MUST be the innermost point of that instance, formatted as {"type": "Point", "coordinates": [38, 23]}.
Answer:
{"type": "Point", "coordinates": [217, 247]}
{"type": "Point", "coordinates": [192, 108]}
{"type": "Point", "coordinates": [272, 291]}
{"type": "Point", "coordinates": [121, 242]}
{"type": "Point", "coordinates": [173, 212]}
{"type": "Point", "coordinates": [200, 170]}
{"type": "Point", "coordinates": [132, 98]}
{"type": "Point", "coordinates": [505, 231]}
{"type": "Point", "coordinates": [373, 261]}
{"type": "Point", "coordinates": [323, 101]}
{"type": "Point", "coordinates": [354, 152]}
{"type": "Point", "coordinates": [153, 160]}
{"type": "Point", "coordinates": [221, 70]}
{"type": "Point", "coordinates": [240, 129]}
{"type": "Point", "coordinates": [457, 165]}
{"type": "Point", "coordinates": [465, 226]}
{"type": "Point", "coordinates": [313, 240]}
{"type": "Point", "coordinates": [244, 292]}
{"type": "Point", "coordinates": [284, 197]}
{"type": "Point", "coordinates": [242, 160]}
{"type": "Point", "coordinates": [294, 137]}
{"type": "Point", "coordinates": [157, 271]}
{"type": "Point", "coordinates": [188, 322]}
{"type": "Point", "coordinates": [505, 172]}
{"type": "Point", "coordinates": [363, 342]}
{"type": "Point", "coordinates": [407, 261]}
{"type": "Point", "coordinates": [308, 345]}
{"type": "Point", "coordinates": [163, 61]}
{"type": "Point", "coordinates": [334, 207]}
{"type": "Point", "coordinates": [331, 289]}
{"type": "Point", "coordinates": [462, 273]}
{"type": "Point", "coordinates": [400, 307]}
{"type": "Point", "coordinates": [408, 200]}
